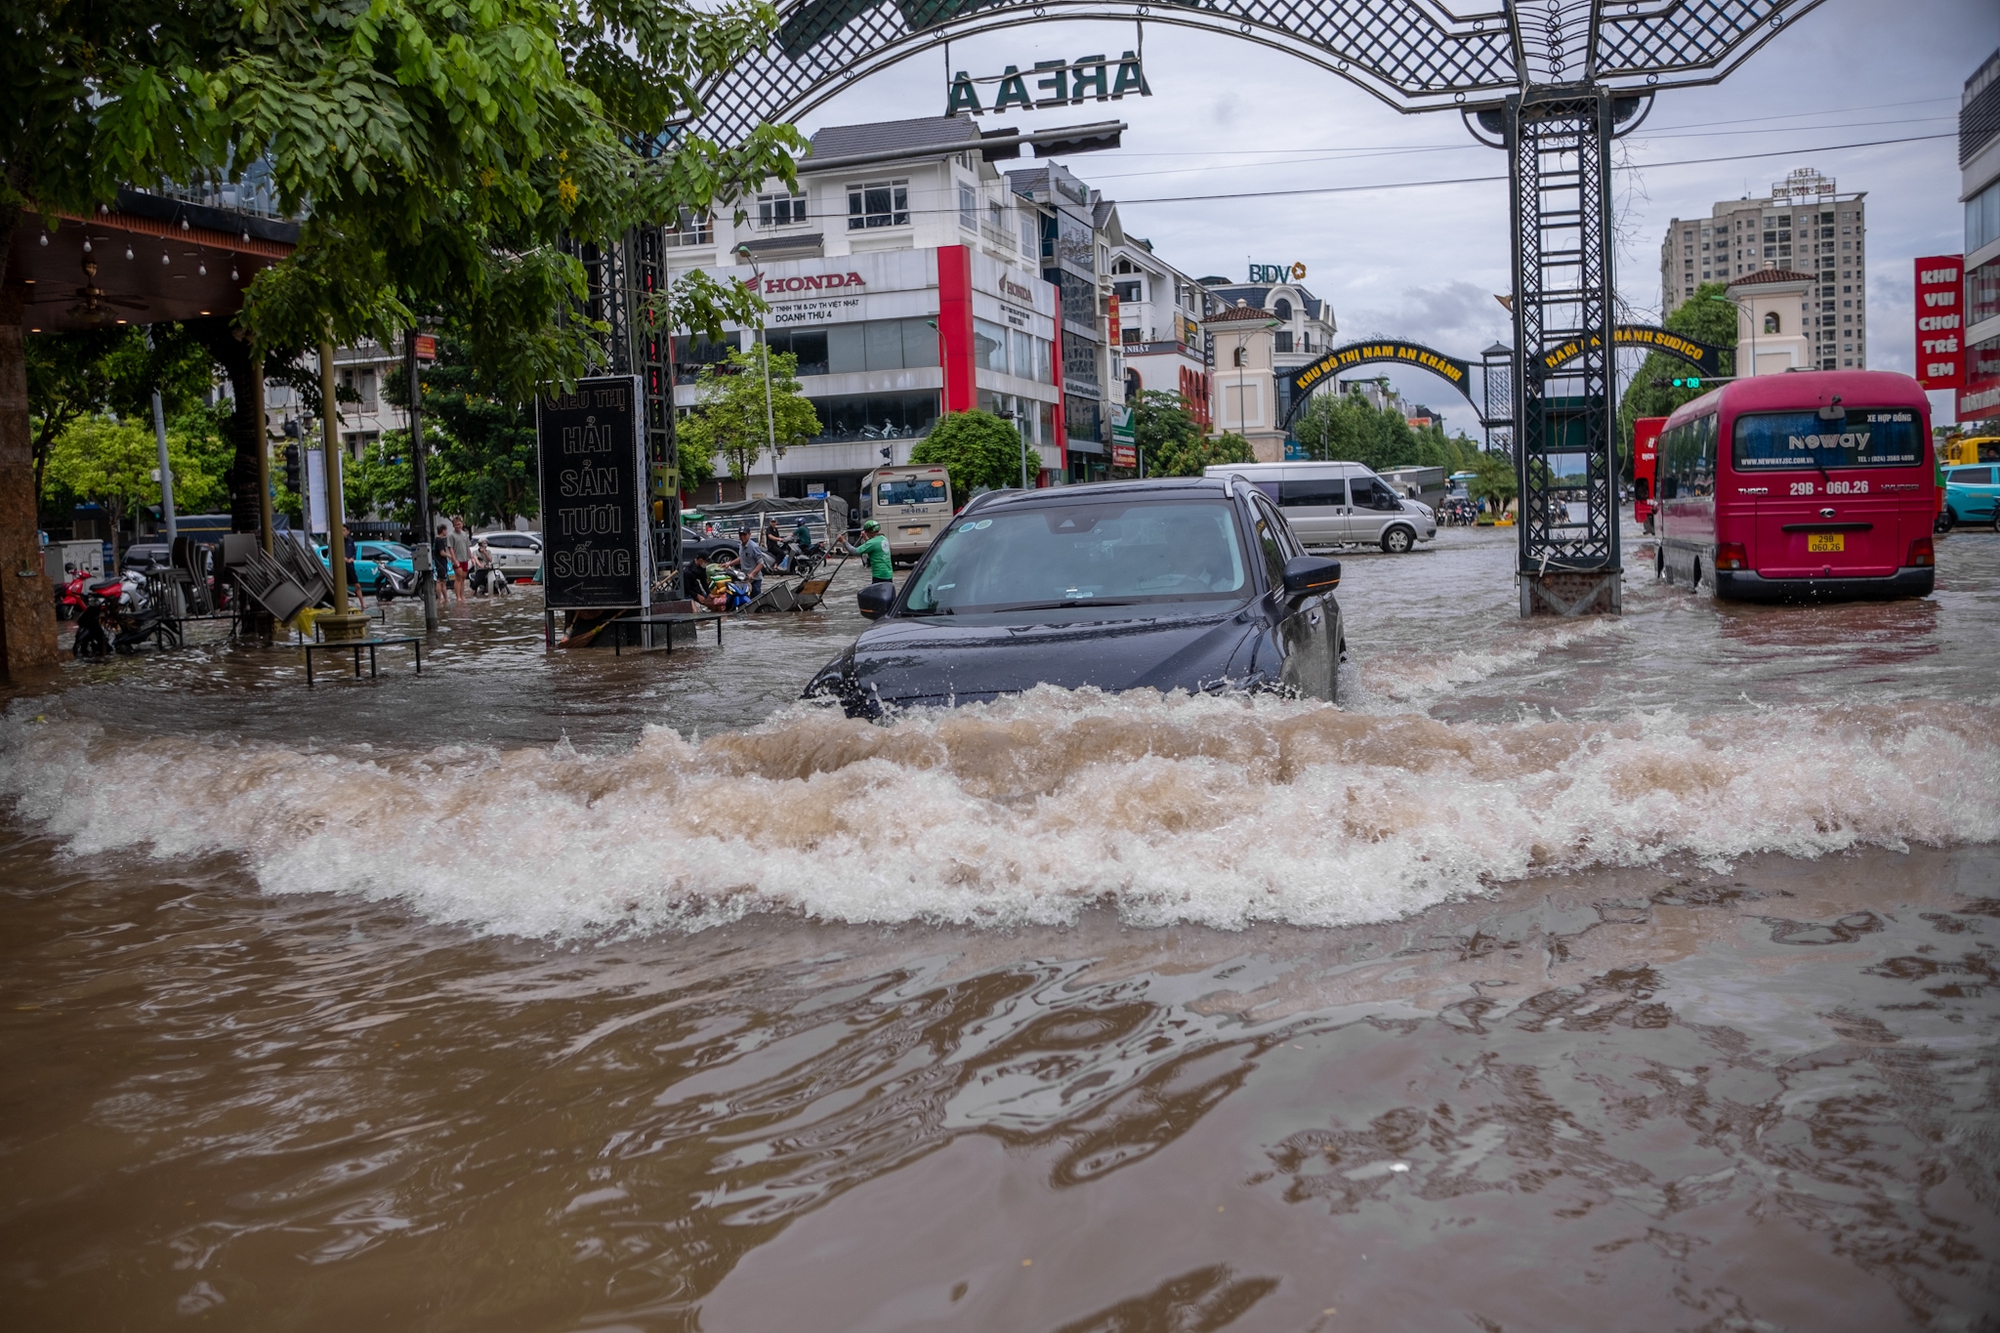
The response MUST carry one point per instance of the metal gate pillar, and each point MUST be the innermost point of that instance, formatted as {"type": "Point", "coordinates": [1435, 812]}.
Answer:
{"type": "Point", "coordinates": [1559, 155]}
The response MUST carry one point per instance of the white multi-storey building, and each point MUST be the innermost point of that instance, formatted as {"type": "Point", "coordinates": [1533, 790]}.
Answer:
{"type": "Point", "coordinates": [1804, 226]}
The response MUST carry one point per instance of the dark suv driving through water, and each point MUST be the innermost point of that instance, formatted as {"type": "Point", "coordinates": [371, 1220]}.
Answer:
{"type": "Point", "coordinates": [1192, 583]}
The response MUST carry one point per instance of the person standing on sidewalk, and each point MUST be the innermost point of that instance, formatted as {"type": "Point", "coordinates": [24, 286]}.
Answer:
{"type": "Point", "coordinates": [441, 560]}
{"type": "Point", "coordinates": [461, 555]}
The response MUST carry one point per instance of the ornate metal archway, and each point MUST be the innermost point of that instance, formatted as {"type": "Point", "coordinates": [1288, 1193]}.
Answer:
{"type": "Point", "coordinates": [1548, 81]}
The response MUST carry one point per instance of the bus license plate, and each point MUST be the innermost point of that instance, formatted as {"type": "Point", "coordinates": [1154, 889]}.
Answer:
{"type": "Point", "coordinates": [918, 532]}
{"type": "Point", "coordinates": [1827, 542]}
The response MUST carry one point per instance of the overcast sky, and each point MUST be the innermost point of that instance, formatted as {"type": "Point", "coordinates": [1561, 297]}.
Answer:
{"type": "Point", "coordinates": [1423, 263]}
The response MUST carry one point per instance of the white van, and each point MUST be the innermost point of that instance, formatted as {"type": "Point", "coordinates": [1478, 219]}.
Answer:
{"type": "Point", "coordinates": [1338, 504]}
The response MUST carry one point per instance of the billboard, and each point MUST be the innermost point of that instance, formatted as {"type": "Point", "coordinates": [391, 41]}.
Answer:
{"type": "Point", "coordinates": [595, 551]}
{"type": "Point", "coordinates": [1941, 322]}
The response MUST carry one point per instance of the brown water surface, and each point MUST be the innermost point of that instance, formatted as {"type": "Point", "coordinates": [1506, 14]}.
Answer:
{"type": "Point", "coordinates": [1636, 975]}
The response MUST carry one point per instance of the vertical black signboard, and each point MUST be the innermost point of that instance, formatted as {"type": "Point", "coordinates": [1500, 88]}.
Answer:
{"type": "Point", "coordinates": [594, 529]}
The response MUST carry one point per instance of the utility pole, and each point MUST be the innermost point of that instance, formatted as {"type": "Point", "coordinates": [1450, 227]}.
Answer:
{"type": "Point", "coordinates": [342, 624]}
{"type": "Point", "coordinates": [166, 471]}
{"type": "Point", "coordinates": [420, 554]}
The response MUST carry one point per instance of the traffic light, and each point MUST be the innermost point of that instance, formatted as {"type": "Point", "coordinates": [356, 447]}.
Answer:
{"type": "Point", "coordinates": [1687, 382]}
{"type": "Point", "coordinates": [292, 469]}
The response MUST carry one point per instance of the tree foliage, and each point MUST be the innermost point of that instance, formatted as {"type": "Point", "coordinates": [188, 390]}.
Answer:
{"type": "Point", "coordinates": [732, 419]}
{"type": "Point", "coordinates": [1494, 481]}
{"type": "Point", "coordinates": [75, 375]}
{"type": "Point", "coordinates": [978, 450]}
{"type": "Point", "coordinates": [1187, 456]}
{"type": "Point", "coordinates": [110, 462]}
{"type": "Point", "coordinates": [1707, 315]}
{"type": "Point", "coordinates": [1347, 428]}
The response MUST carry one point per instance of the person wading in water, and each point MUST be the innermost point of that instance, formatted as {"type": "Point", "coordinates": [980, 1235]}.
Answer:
{"type": "Point", "coordinates": [875, 548]}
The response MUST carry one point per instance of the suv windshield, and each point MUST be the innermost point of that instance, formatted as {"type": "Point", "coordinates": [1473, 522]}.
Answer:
{"type": "Point", "coordinates": [1081, 554]}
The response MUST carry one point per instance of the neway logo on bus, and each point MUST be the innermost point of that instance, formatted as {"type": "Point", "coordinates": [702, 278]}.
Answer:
{"type": "Point", "coordinates": [1853, 439]}
{"type": "Point", "coordinates": [811, 282]}
{"type": "Point", "coordinates": [1063, 83]}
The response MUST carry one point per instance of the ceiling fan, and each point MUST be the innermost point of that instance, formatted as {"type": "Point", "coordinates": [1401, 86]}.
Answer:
{"type": "Point", "coordinates": [95, 305]}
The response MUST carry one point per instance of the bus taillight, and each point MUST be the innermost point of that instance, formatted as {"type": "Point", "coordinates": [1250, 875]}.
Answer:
{"type": "Point", "coordinates": [1922, 554]}
{"type": "Point", "coordinates": [1731, 555]}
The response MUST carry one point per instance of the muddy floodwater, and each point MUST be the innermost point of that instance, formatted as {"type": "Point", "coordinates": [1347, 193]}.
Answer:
{"type": "Point", "coordinates": [1631, 974]}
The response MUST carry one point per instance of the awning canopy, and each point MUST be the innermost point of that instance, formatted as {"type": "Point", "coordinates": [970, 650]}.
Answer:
{"type": "Point", "coordinates": [186, 261]}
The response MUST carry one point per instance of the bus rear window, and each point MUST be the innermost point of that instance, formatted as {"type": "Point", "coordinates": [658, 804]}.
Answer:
{"type": "Point", "coordinates": [1869, 437]}
{"type": "Point", "coordinates": [911, 491]}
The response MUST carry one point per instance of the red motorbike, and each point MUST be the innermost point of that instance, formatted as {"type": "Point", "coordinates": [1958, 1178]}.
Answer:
{"type": "Point", "coordinates": [69, 597]}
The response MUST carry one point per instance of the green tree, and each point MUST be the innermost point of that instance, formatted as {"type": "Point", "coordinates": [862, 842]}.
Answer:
{"type": "Point", "coordinates": [483, 461]}
{"type": "Point", "coordinates": [1161, 419]}
{"type": "Point", "coordinates": [450, 156]}
{"type": "Point", "coordinates": [1345, 428]}
{"type": "Point", "coordinates": [111, 462]}
{"type": "Point", "coordinates": [732, 420]}
{"type": "Point", "coordinates": [1495, 482]}
{"type": "Point", "coordinates": [979, 450]}
{"type": "Point", "coordinates": [75, 375]}
{"type": "Point", "coordinates": [1707, 315]}
{"type": "Point", "coordinates": [1187, 457]}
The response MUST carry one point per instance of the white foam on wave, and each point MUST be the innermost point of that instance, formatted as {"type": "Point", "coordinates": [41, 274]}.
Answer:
{"type": "Point", "coordinates": [1217, 811]}
{"type": "Point", "coordinates": [1395, 681]}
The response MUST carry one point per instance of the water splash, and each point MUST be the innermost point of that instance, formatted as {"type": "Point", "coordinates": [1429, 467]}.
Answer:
{"type": "Point", "coordinates": [1216, 811]}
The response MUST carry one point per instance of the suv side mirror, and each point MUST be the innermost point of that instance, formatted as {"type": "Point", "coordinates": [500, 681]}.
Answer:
{"type": "Point", "coordinates": [1307, 574]}
{"type": "Point", "coordinates": [876, 599]}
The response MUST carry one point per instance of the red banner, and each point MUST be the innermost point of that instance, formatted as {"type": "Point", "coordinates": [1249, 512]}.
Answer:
{"type": "Point", "coordinates": [1941, 322]}
{"type": "Point", "coordinates": [1124, 455]}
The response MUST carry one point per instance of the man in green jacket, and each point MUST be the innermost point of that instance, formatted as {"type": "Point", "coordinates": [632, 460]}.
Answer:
{"type": "Point", "coordinates": [875, 547]}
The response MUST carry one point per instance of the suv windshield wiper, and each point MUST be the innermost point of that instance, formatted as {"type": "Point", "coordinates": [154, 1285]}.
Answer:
{"type": "Point", "coordinates": [1068, 601]}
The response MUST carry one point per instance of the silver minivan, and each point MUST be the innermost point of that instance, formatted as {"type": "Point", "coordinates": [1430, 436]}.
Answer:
{"type": "Point", "coordinates": [1338, 504]}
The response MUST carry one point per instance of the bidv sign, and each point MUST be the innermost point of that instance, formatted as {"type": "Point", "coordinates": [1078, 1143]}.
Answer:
{"type": "Point", "coordinates": [1058, 83]}
{"type": "Point", "coordinates": [594, 531]}
{"type": "Point", "coordinates": [1277, 273]}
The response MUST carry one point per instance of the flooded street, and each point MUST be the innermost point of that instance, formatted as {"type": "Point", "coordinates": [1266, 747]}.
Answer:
{"type": "Point", "coordinates": [1617, 974]}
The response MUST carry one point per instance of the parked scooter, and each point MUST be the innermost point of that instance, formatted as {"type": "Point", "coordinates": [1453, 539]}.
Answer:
{"type": "Point", "coordinates": [391, 582]}
{"type": "Point", "coordinates": [118, 616]}
{"type": "Point", "coordinates": [69, 597]}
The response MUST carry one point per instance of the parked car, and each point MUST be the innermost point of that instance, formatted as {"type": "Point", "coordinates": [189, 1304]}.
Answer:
{"type": "Point", "coordinates": [143, 556]}
{"type": "Point", "coordinates": [1338, 504]}
{"type": "Point", "coordinates": [1971, 495]}
{"type": "Point", "coordinates": [517, 554]}
{"type": "Point", "coordinates": [368, 552]}
{"type": "Point", "coordinates": [1192, 583]}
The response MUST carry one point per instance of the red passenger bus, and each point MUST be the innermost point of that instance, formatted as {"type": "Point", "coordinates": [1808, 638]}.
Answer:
{"type": "Point", "coordinates": [1805, 485]}
{"type": "Point", "coordinates": [1645, 471]}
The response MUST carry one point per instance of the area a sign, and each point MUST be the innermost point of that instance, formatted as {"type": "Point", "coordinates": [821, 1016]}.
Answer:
{"type": "Point", "coordinates": [1057, 83]}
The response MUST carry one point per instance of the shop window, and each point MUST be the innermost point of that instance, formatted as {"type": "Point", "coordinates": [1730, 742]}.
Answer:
{"type": "Point", "coordinates": [989, 346]}
{"type": "Point", "coordinates": [883, 416]}
{"type": "Point", "coordinates": [780, 210]}
{"type": "Point", "coordinates": [878, 204]}
{"type": "Point", "coordinates": [1128, 292]}
{"type": "Point", "coordinates": [1021, 352]}
{"type": "Point", "coordinates": [693, 228]}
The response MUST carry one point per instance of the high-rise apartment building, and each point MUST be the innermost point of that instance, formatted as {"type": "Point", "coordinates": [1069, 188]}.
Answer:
{"type": "Point", "coordinates": [1805, 225]}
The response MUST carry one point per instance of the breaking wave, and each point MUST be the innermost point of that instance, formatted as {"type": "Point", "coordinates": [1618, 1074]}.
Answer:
{"type": "Point", "coordinates": [1220, 811]}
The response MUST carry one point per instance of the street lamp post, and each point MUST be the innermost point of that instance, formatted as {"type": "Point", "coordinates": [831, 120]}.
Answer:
{"type": "Point", "coordinates": [764, 342]}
